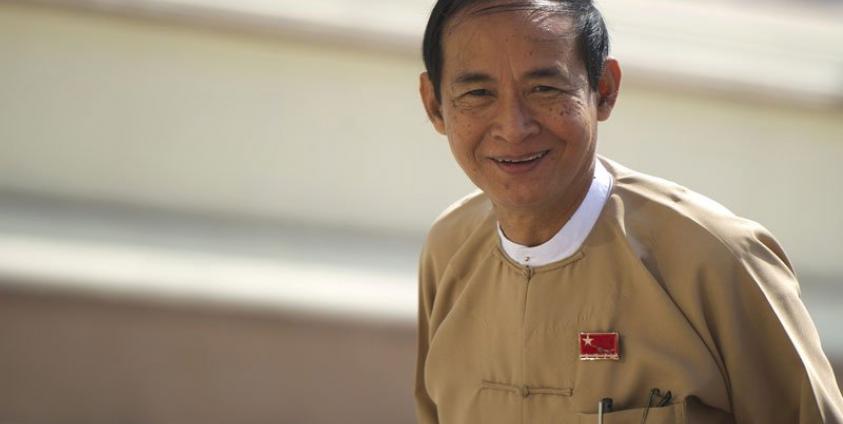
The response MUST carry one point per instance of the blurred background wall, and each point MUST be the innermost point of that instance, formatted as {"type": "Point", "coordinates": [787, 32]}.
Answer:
{"type": "Point", "coordinates": [210, 211]}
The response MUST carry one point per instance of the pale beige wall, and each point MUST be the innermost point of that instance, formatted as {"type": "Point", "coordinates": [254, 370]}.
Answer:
{"type": "Point", "coordinates": [192, 119]}
{"type": "Point", "coordinates": [99, 107]}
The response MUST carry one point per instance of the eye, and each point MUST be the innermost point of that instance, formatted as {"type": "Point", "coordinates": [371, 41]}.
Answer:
{"type": "Point", "coordinates": [480, 92]}
{"type": "Point", "coordinates": [475, 98]}
{"type": "Point", "coordinates": [544, 89]}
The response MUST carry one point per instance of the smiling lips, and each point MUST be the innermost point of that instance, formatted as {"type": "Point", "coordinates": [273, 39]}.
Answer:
{"type": "Point", "coordinates": [519, 164]}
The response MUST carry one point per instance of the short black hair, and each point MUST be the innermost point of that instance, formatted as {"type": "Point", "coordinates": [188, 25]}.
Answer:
{"type": "Point", "coordinates": [591, 32]}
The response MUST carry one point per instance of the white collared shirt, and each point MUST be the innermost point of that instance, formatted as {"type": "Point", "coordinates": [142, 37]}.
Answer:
{"type": "Point", "coordinates": [572, 235]}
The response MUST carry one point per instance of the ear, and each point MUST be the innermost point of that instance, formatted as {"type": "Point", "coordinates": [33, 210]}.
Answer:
{"type": "Point", "coordinates": [608, 89]}
{"type": "Point", "coordinates": [431, 104]}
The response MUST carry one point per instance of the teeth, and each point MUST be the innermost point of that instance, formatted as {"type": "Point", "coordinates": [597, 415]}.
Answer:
{"type": "Point", "coordinates": [534, 157]}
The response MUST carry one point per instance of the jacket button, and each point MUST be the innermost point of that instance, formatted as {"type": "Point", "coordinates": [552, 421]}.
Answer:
{"type": "Point", "coordinates": [525, 391]}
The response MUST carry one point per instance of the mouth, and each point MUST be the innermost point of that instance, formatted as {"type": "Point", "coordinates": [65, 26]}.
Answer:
{"type": "Point", "coordinates": [523, 159]}
{"type": "Point", "coordinates": [519, 164]}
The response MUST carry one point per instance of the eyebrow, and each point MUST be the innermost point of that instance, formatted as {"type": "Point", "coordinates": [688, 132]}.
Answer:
{"type": "Point", "coordinates": [472, 77]}
{"type": "Point", "coordinates": [539, 73]}
{"type": "Point", "coordinates": [548, 72]}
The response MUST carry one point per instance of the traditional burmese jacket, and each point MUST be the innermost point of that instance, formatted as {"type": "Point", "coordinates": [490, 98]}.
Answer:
{"type": "Point", "coordinates": [705, 303]}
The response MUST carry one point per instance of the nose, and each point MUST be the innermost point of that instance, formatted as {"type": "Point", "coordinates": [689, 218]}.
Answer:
{"type": "Point", "coordinates": [514, 122]}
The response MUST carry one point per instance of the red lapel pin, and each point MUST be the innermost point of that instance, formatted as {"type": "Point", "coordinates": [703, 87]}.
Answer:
{"type": "Point", "coordinates": [596, 346]}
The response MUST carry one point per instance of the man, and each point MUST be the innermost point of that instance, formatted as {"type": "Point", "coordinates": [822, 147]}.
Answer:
{"type": "Point", "coordinates": [572, 289]}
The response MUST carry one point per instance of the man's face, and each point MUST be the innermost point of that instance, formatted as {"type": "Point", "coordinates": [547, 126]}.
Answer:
{"type": "Point", "coordinates": [516, 105]}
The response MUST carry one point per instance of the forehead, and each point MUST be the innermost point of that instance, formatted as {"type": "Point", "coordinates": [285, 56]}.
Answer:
{"type": "Point", "coordinates": [493, 31]}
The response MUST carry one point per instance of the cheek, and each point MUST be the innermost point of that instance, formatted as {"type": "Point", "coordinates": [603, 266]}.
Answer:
{"type": "Point", "coordinates": [572, 116]}
{"type": "Point", "coordinates": [465, 135]}
{"type": "Point", "coordinates": [464, 148]}
{"type": "Point", "coordinates": [571, 109]}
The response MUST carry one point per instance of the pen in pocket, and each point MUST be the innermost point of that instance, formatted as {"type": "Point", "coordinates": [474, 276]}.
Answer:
{"type": "Point", "coordinates": [605, 405]}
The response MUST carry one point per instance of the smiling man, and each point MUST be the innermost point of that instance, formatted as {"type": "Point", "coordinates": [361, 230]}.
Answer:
{"type": "Point", "coordinates": [571, 284]}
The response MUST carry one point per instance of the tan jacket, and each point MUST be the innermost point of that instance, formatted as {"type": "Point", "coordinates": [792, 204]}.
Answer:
{"type": "Point", "coordinates": [706, 305]}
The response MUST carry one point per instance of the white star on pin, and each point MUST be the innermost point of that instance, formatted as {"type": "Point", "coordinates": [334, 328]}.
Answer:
{"type": "Point", "coordinates": [588, 340]}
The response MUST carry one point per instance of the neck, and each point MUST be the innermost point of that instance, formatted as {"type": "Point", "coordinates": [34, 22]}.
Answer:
{"type": "Point", "coordinates": [532, 226]}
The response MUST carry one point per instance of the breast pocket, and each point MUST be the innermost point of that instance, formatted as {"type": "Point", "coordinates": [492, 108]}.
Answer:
{"type": "Point", "coordinates": [689, 411]}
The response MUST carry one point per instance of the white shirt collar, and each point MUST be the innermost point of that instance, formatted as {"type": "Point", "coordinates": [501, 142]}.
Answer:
{"type": "Point", "coordinates": [572, 235]}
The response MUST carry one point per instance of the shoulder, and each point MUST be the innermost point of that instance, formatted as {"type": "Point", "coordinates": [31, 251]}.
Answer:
{"type": "Point", "coordinates": [462, 223]}
{"type": "Point", "coordinates": [694, 247]}
{"type": "Point", "coordinates": [461, 218]}
{"type": "Point", "coordinates": [657, 201]}
{"type": "Point", "coordinates": [671, 220]}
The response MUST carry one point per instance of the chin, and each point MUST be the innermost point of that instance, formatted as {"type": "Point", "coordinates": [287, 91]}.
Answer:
{"type": "Point", "coordinates": [516, 200]}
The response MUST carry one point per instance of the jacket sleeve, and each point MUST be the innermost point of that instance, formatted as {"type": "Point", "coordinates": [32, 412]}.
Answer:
{"type": "Point", "coordinates": [425, 408]}
{"type": "Point", "coordinates": [769, 347]}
